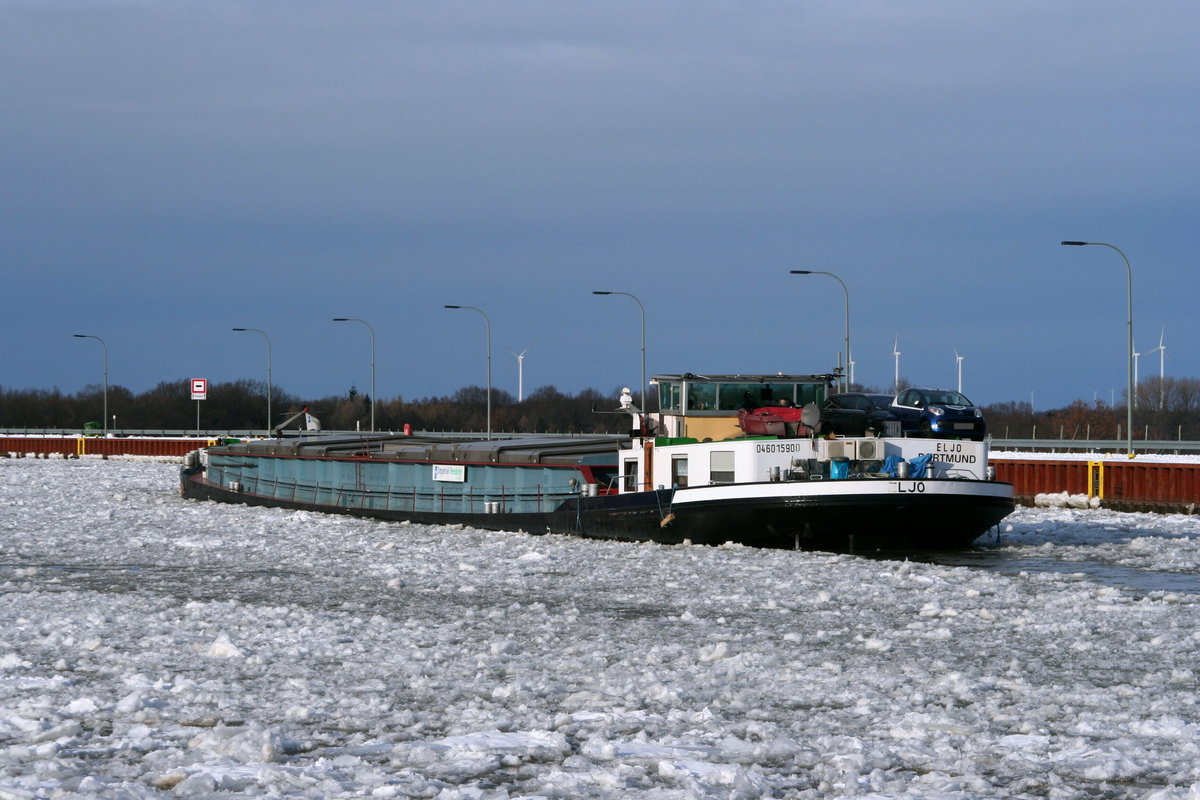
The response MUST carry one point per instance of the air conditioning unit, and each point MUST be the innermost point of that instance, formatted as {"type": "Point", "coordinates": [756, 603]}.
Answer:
{"type": "Point", "coordinates": [838, 448]}
{"type": "Point", "coordinates": [851, 449]}
{"type": "Point", "coordinates": [870, 450]}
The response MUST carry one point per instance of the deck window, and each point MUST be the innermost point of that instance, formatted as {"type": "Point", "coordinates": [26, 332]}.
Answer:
{"type": "Point", "coordinates": [720, 466]}
{"type": "Point", "coordinates": [679, 471]}
{"type": "Point", "coordinates": [630, 475]}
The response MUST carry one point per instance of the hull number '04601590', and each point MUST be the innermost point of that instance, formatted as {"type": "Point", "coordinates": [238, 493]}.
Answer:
{"type": "Point", "coordinates": [782, 447]}
{"type": "Point", "coordinates": [910, 487]}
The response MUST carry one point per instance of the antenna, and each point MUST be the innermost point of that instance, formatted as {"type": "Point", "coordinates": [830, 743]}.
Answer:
{"type": "Point", "coordinates": [896, 354]}
{"type": "Point", "coordinates": [1133, 400]}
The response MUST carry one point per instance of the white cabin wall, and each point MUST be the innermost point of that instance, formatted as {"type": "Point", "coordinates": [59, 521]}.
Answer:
{"type": "Point", "coordinates": [758, 459]}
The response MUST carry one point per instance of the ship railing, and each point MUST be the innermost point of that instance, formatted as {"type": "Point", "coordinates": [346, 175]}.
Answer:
{"type": "Point", "coordinates": [532, 499]}
{"type": "Point", "coordinates": [961, 473]}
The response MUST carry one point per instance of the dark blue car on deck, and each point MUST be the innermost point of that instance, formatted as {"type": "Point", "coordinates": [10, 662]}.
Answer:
{"type": "Point", "coordinates": [877, 407]}
{"type": "Point", "coordinates": [938, 413]}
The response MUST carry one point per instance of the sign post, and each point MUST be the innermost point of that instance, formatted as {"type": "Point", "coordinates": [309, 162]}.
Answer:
{"type": "Point", "coordinates": [199, 392]}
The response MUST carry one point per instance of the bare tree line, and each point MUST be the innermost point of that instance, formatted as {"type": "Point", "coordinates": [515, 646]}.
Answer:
{"type": "Point", "coordinates": [1165, 408]}
{"type": "Point", "coordinates": [241, 405]}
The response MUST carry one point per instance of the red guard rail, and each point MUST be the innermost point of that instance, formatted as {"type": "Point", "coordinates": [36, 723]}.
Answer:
{"type": "Point", "coordinates": [1124, 485]}
{"type": "Point", "coordinates": [101, 446]}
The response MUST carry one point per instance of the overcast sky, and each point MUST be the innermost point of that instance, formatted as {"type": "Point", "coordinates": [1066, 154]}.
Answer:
{"type": "Point", "coordinates": [171, 170]}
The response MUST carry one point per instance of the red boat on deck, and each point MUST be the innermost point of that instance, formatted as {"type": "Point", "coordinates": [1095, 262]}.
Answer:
{"type": "Point", "coordinates": [773, 421]}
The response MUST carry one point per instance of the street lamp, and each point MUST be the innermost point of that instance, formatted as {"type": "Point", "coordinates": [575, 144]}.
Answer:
{"type": "Point", "coordinates": [1129, 382]}
{"type": "Point", "coordinates": [641, 308]}
{"type": "Point", "coordinates": [268, 338]}
{"type": "Point", "coordinates": [488, 323]}
{"type": "Point", "coordinates": [105, 346]}
{"type": "Point", "coordinates": [847, 378]}
{"type": "Point", "coordinates": [372, 330]}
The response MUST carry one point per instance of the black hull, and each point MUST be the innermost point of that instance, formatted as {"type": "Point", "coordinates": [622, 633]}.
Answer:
{"type": "Point", "coordinates": [849, 523]}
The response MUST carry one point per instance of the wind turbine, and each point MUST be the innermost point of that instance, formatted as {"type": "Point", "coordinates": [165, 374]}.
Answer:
{"type": "Point", "coordinates": [958, 361]}
{"type": "Point", "coordinates": [521, 374]}
{"type": "Point", "coordinates": [1162, 369]}
{"type": "Point", "coordinates": [896, 355]}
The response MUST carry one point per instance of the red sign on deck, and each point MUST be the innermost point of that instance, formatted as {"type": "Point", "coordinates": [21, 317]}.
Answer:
{"type": "Point", "coordinates": [199, 388]}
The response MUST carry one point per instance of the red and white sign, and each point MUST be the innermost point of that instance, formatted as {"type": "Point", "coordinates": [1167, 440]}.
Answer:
{"type": "Point", "coordinates": [199, 388]}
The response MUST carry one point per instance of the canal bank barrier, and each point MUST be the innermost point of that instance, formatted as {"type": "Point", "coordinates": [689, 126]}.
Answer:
{"type": "Point", "coordinates": [76, 446]}
{"type": "Point", "coordinates": [1147, 483]}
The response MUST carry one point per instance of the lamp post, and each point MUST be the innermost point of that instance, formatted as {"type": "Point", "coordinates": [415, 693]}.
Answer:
{"type": "Point", "coordinates": [372, 330]}
{"type": "Point", "coordinates": [642, 309]}
{"type": "Point", "coordinates": [268, 338]}
{"type": "Point", "coordinates": [846, 377]}
{"type": "Point", "coordinates": [488, 323]}
{"type": "Point", "coordinates": [105, 347]}
{"type": "Point", "coordinates": [1129, 382]}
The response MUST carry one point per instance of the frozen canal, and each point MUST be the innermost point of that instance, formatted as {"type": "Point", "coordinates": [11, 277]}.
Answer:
{"type": "Point", "coordinates": [156, 647]}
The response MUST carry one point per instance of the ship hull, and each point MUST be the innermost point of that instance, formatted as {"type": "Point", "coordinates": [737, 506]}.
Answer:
{"type": "Point", "coordinates": [838, 516]}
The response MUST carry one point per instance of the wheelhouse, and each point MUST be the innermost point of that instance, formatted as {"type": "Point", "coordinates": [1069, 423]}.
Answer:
{"type": "Point", "coordinates": [706, 406]}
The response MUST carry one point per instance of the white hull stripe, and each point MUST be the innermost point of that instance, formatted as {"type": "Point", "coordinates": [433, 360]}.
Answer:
{"type": "Point", "coordinates": [841, 489]}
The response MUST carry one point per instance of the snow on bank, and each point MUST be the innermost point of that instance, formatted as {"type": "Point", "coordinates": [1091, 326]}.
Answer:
{"type": "Point", "coordinates": [1065, 500]}
{"type": "Point", "coordinates": [155, 647]}
{"type": "Point", "coordinates": [1029, 455]}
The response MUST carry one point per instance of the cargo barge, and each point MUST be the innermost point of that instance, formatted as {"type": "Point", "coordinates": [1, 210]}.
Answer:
{"type": "Point", "coordinates": [686, 473]}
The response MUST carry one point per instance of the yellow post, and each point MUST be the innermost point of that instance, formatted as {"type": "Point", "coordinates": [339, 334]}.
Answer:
{"type": "Point", "coordinates": [80, 446]}
{"type": "Point", "coordinates": [1095, 479]}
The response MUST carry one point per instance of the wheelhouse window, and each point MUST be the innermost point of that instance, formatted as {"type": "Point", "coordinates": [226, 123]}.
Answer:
{"type": "Point", "coordinates": [722, 397]}
{"type": "Point", "coordinates": [732, 396]}
{"type": "Point", "coordinates": [679, 471]}
{"type": "Point", "coordinates": [809, 393]}
{"type": "Point", "coordinates": [669, 398]}
{"type": "Point", "coordinates": [720, 466]}
{"type": "Point", "coordinates": [702, 396]}
{"type": "Point", "coordinates": [751, 395]}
